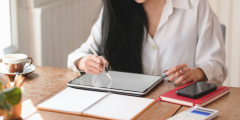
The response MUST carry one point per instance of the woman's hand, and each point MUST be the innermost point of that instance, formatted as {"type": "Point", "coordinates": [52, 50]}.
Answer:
{"type": "Point", "coordinates": [182, 72]}
{"type": "Point", "coordinates": [92, 64]}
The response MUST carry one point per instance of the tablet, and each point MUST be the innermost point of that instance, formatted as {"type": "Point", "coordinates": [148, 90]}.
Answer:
{"type": "Point", "coordinates": [122, 83]}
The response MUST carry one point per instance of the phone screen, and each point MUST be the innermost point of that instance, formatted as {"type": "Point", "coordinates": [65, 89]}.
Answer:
{"type": "Point", "coordinates": [197, 88]}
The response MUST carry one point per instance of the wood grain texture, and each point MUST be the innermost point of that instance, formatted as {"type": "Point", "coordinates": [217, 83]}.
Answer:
{"type": "Point", "coordinates": [228, 106]}
{"type": "Point", "coordinates": [183, 108]}
{"type": "Point", "coordinates": [159, 111]}
{"type": "Point", "coordinates": [45, 81]}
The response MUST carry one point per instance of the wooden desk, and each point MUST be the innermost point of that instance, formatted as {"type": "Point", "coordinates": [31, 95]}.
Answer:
{"type": "Point", "coordinates": [47, 81]}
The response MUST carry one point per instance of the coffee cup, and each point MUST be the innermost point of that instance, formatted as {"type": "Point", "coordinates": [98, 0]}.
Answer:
{"type": "Point", "coordinates": [16, 62]}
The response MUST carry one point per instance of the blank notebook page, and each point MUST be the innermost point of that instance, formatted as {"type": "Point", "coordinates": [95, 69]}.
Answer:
{"type": "Point", "coordinates": [72, 101]}
{"type": "Point", "coordinates": [119, 107]}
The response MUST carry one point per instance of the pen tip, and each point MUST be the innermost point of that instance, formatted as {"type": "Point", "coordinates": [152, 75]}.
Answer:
{"type": "Point", "coordinates": [106, 69]}
{"type": "Point", "coordinates": [109, 76]}
{"type": "Point", "coordinates": [164, 76]}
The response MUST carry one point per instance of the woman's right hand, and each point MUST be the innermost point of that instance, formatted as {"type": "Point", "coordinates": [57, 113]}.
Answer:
{"type": "Point", "coordinates": [92, 64]}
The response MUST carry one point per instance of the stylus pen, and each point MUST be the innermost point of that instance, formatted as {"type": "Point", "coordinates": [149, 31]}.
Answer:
{"type": "Point", "coordinates": [165, 75]}
{"type": "Point", "coordinates": [106, 68]}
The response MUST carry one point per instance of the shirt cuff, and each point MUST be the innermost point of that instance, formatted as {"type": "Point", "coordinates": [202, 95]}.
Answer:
{"type": "Point", "coordinates": [75, 68]}
{"type": "Point", "coordinates": [206, 68]}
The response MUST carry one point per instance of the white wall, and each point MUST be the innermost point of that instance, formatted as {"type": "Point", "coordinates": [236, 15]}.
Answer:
{"type": "Point", "coordinates": [23, 22]}
{"type": "Point", "coordinates": [36, 3]}
{"type": "Point", "coordinates": [87, 17]}
{"type": "Point", "coordinates": [228, 14]}
{"type": "Point", "coordinates": [59, 28]}
{"type": "Point", "coordinates": [23, 27]}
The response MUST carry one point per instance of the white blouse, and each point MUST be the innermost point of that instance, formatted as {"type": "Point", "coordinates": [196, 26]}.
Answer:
{"type": "Point", "coordinates": [188, 32]}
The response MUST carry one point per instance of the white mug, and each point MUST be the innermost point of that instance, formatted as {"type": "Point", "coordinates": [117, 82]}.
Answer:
{"type": "Point", "coordinates": [16, 62]}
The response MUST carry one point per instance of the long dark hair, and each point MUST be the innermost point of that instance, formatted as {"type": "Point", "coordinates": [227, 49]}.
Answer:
{"type": "Point", "coordinates": [123, 23]}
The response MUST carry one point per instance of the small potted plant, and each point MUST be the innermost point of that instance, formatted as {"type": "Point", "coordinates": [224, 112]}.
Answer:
{"type": "Point", "coordinates": [10, 99]}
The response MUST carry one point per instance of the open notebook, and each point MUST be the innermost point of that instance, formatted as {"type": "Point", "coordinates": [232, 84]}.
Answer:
{"type": "Point", "coordinates": [96, 104]}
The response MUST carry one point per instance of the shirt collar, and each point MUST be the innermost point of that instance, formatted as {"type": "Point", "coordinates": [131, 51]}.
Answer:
{"type": "Point", "coordinates": [183, 4]}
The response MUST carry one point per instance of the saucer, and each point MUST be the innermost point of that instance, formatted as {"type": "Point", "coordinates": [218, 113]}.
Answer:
{"type": "Point", "coordinates": [25, 72]}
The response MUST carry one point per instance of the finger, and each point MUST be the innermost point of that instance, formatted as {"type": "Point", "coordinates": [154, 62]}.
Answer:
{"type": "Point", "coordinates": [88, 71]}
{"type": "Point", "coordinates": [165, 71]}
{"type": "Point", "coordinates": [189, 79]}
{"type": "Point", "coordinates": [175, 75]}
{"type": "Point", "coordinates": [194, 79]}
{"type": "Point", "coordinates": [94, 64]}
{"type": "Point", "coordinates": [182, 78]}
{"type": "Point", "coordinates": [93, 70]}
{"type": "Point", "coordinates": [175, 69]}
{"type": "Point", "coordinates": [105, 62]}
{"type": "Point", "coordinates": [186, 69]}
{"type": "Point", "coordinates": [97, 59]}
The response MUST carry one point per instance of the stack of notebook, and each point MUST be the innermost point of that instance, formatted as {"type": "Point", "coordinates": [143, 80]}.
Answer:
{"type": "Point", "coordinates": [172, 97]}
{"type": "Point", "coordinates": [96, 104]}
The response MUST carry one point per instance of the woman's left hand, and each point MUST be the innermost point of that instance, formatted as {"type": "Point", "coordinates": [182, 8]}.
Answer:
{"type": "Point", "coordinates": [182, 72]}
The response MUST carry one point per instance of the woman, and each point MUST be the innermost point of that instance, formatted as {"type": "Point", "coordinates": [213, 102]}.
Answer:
{"type": "Point", "coordinates": [152, 36]}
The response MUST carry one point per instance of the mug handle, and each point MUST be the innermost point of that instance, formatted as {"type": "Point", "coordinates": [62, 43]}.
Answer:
{"type": "Point", "coordinates": [30, 62]}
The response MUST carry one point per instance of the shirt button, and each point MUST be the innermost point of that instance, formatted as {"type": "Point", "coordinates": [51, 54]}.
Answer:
{"type": "Point", "coordinates": [154, 47]}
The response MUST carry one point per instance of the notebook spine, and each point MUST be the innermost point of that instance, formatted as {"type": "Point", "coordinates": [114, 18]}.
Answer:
{"type": "Point", "coordinates": [199, 105]}
{"type": "Point", "coordinates": [109, 93]}
{"type": "Point", "coordinates": [208, 95]}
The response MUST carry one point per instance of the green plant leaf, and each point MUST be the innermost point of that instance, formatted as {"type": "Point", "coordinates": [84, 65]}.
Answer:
{"type": "Point", "coordinates": [2, 101]}
{"type": "Point", "coordinates": [3, 105]}
{"type": "Point", "coordinates": [12, 95]}
{"type": "Point", "coordinates": [1, 87]}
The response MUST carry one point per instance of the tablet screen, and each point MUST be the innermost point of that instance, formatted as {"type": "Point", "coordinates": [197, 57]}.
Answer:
{"type": "Point", "coordinates": [121, 81]}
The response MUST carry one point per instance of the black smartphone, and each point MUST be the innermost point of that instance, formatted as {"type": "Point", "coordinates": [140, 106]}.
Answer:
{"type": "Point", "coordinates": [196, 90]}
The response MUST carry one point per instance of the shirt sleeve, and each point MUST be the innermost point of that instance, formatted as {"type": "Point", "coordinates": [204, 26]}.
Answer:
{"type": "Point", "coordinates": [95, 39]}
{"type": "Point", "coordinates": [210, 51]}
